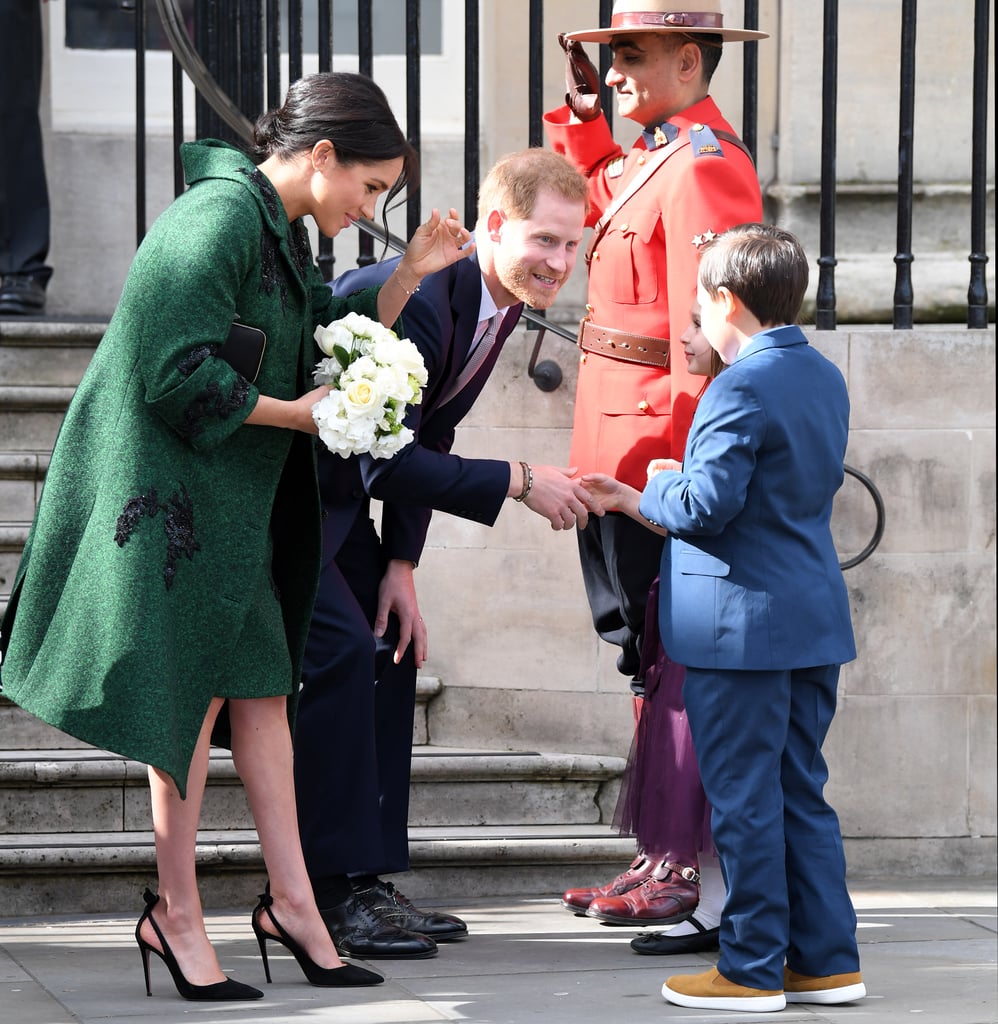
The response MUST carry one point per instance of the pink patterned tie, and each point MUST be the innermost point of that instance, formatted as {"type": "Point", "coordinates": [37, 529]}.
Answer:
{"type": "Point", "coordinates": [477, 355]}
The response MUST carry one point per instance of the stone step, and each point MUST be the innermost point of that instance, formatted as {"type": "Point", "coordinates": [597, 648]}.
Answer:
{"type": "Point", "coordinates": [47, 353]}
{"type": "Point", "coordinates": [20, 731]}
{"type": "Point", "coordinates": [103, 872]}
{"type": "Point", "coordinates": [87, 790]}
{"type": "Point", "coordinates": [41, 362]}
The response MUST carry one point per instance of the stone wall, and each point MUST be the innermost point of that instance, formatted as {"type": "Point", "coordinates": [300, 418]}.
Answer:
{"type": "Point", "coordinates": [913, 747]}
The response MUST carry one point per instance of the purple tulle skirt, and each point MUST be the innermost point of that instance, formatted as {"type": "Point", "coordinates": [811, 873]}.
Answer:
{"type": "Point", "coordinates": [662, 801]}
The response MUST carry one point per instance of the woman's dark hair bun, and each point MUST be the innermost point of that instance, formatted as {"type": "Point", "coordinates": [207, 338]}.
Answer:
{"type": "Point", "coordinates": [264, 133]}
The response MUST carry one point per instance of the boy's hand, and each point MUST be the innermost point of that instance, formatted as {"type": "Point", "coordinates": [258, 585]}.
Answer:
{"type": "Point", "coordinates": [657, 466]}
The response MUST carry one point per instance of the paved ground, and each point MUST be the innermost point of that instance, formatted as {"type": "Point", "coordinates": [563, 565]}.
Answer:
{"type": "Point", "coordinates": [929, 954]}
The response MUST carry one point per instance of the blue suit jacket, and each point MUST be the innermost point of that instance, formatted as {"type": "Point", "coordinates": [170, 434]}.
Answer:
{"type": "Point", "coordinates": [750, 576]}
{"type": "Point", "coordinates": [440, 319]}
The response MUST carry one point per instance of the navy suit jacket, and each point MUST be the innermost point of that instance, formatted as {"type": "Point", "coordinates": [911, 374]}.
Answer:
{"type": "Point", "coordinates": [750, 575]}
{"type": "Point", "coordinates": [440, 319]}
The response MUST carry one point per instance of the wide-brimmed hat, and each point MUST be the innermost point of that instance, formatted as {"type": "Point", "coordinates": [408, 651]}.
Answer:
{"type": "Point", "coordinates": [631, 16]}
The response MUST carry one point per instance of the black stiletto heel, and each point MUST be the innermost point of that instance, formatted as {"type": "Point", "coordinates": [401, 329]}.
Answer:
{"type": "Point", "coordinates": [217, 992]}
{"type": "Point", "coordinates": [327, 977]}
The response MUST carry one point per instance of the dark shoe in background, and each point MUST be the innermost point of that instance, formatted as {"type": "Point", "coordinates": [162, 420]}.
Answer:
{"type": "Point", "coordinates": [704, 940]}
{"type": "Point", "coordinates": [21, 295]}
{"type": "Point", "coordinates": [394, 908]}
{"type": "Point", "coordinates": [358, 931]}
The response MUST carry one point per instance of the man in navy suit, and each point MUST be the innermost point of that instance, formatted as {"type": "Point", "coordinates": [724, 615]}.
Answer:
{"type": "Point", "coordinates": [353, 739]}
{"type": "Point", "coordinates": [754, 605]}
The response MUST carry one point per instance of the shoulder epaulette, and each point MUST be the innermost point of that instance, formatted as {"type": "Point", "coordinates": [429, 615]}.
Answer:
{"type": "Point", "coordinates": [704, 141]}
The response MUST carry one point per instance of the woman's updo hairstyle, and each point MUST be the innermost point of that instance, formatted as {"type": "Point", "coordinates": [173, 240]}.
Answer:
{"type": "Point", "coordinates": [349, 110]}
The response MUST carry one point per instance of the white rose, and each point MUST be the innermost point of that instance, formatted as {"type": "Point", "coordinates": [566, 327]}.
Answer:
{"type": "Point", "coordinates": [327, 338]}
{"type": "Point", "coordinates": [362, 367]}
{"type": "Point", "coordinates": [362, 398]}
{"type": "Point", "coordinates": [400, 352]}
{"type": "Point", "coordinates": [394, 382]}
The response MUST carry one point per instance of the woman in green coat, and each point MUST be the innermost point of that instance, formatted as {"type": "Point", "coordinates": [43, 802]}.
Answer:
{"type": "Point", "coordinates": [172, 564]}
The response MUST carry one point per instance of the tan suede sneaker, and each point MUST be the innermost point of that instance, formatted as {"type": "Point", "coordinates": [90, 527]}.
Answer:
{"type": "Point", "coordinates": [712, 991]}
{"type": "Point", "coordinates": [831, 989]}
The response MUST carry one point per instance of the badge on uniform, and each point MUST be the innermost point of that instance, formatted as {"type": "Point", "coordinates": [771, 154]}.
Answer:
{"type": "Point", "coordinates": [704, 141]}
{"type": "Point", "coordinates": [615, 168]}
{"type": "Point", "coordinates": [707, 236]}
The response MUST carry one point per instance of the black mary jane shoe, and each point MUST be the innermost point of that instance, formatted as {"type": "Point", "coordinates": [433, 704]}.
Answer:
{"type": "Point", "coordinates": [218, 992]}
{"type": "Point", "coordinates": [325, 977]}
{"type": "Point", "coordinates": [704, 940]}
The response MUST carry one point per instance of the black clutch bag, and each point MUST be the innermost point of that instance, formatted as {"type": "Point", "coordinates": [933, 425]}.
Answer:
{"type": "Point", "coordinates": [243, 350]}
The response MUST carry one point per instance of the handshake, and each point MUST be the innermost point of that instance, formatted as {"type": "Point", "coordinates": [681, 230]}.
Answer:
{"type": "Point", "coordinates": [581, 81]}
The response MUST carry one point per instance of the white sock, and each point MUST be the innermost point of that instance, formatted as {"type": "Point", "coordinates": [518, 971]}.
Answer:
{"type": "Point", "coordinates": [712, 893]}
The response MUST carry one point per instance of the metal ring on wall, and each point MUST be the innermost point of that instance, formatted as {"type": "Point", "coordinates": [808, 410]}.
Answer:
{"type": "Point", "coordinates": [878, 531]}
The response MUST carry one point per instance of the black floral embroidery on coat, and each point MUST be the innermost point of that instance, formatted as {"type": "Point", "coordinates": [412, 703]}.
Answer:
{"type": "Point", "coordinates": [195, 358]}
{"type": "Point", "coordinates": [210, 402]}
{"type": "Point", "coordinates": [178, 525]}
{"type": "Point", "coordinates": [271, 276]}
{"type": "Point", "coordinates": [268, 193]}
{"type": "Point", "coordinates": [301, 248]}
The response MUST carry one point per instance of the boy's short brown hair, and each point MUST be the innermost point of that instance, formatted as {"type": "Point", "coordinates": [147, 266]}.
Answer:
{"type": "Point", "coordinates": [763, 265]}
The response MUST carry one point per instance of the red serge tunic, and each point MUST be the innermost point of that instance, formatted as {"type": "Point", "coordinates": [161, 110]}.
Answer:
{"type": "Point", "coordinates": [642, 279]}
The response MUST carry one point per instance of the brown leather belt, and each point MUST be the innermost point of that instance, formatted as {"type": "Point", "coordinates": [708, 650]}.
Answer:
{"type": "Point", "coordinates": [630, 348]}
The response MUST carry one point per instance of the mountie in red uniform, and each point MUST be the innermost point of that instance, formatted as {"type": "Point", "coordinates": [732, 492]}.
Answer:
{"type": "Point", "coordinates": [642, 274]}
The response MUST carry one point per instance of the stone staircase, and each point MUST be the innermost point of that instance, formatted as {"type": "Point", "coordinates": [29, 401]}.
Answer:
{"type": "Point", "coordinates": [74, 821]}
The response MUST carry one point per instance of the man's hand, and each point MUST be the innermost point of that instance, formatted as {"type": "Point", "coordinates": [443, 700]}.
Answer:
{"type": "Point", "coordinates": [564, 502]}
{"type": "Point", "coordinates": [397, 593]}
{"type": "Point", "coordinates": [581, 81]}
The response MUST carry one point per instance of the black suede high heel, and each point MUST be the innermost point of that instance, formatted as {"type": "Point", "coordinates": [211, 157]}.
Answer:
{"type": "Point", "coordinates": [328, 977]}
{"type": "Point", "coordinates": [220, 990]}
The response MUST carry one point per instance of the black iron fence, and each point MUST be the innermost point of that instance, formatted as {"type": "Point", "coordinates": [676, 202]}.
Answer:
{"type": "Point", "coordinates": [234, 57]}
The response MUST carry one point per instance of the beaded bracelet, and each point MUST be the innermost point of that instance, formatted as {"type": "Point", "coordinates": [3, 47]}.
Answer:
{"type": "Point", "coordinates": [398, 277]}
{"type": "Point", "coordinates": [528, 482]}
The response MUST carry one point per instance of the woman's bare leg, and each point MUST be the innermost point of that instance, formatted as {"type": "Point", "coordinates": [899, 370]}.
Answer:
{"type": "Point", "coordinates": [262, 753]}
{"type": "Point", "coordinates": [175, 824]}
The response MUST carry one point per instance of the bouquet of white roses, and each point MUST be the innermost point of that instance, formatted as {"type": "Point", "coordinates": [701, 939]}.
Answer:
{"type": "Point", "coordinates": [374, 376]}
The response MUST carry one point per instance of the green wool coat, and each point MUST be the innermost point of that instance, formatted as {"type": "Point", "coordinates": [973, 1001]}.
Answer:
{"type": "Point", "coordinates": [152, 534]}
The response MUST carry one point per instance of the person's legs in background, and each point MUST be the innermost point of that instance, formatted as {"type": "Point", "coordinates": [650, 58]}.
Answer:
{"type": "Point", "coordinates": [619, 559]}
{"type": "Point", "coordinates": [24, 200]}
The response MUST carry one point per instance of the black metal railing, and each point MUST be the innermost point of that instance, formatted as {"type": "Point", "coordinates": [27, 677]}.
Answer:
{"type": "Point", "coordinates": [235, 40]}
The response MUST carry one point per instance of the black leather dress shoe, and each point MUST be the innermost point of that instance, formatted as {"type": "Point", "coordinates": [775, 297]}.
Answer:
{"type": "Point", "coordinates": [358, 931]}
{"type": "Point", "coordinates": [705, 940]}
{"type": "Point", "coordinates": [391, 906]}
{"type": "Point", "coordinates": [21, 295]}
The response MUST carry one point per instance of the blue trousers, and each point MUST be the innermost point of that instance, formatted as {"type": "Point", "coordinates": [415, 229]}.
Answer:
{"type": "Point", "coordinates": [758, 738]}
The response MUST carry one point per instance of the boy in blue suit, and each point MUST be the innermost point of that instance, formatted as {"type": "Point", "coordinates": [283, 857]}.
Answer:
{"type": "Point", "coordinates": [754, 605]}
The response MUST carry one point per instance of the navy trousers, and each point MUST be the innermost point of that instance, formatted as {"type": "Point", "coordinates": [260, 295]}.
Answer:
{"type": "Point", "coordinates": [758, 739]}
{"type": "Point", "coordinates": [24, 200]}
{"type": "Point", "coordinates": [353, 731]}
